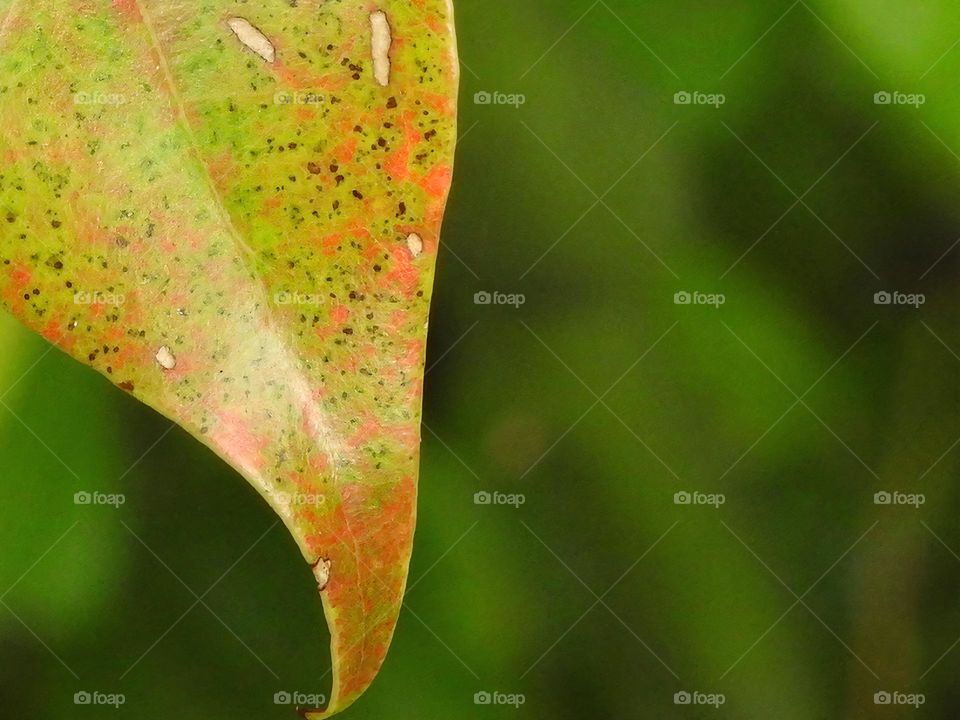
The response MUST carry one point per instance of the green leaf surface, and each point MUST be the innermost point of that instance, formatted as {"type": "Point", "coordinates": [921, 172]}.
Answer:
{"type": "Point", "coordinates": [232, 210]}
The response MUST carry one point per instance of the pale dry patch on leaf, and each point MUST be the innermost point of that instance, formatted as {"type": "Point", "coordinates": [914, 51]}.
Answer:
{"type": "Point", "coordinates": [415, 244]}
{"type": "Point", "coordinates": [252, 38]}
{"type": "Point", "coordinates": [381, 42]}
{"type": "Point", "coordinates": [166, 359]}
{"type": "Point", "coordinates": [321, 571]}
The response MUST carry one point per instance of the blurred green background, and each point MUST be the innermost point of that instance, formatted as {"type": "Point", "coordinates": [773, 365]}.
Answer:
{"type": "Point", "coordinates": [598, 399]}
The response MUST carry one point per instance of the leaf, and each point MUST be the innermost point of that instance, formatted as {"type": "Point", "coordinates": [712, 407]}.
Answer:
{"type": "Point", "coordinates": [232, 211]}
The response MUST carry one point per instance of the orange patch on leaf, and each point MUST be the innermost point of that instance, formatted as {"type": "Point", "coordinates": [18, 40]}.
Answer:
{"type": "Point", "coordinates": [330, 243]}
{"type": "Point", "coordinates": [129, 9]}
{"type": "Point", "coordinates": [398, 318]}
{"type": "Point", "coordinates": [404, 273]}
{"type": "Point", "coordinates": [397, 163]}
{"type": "Point", "coordinates": [232, 434]}
{"type": "Point", "coordinates": [340, 314]}
{"type": "Point", "coordinates": [53, 331]}
{"type": "Point", "coordinates": [437, 181]}
{"type": "Point", "coordinates": [21, 276]}
{"type": "Point", "coordinates": [369, 429]}
{"type": "Point", "coordinates": [303, 79]}
{"type": "Point", "coordinates": [413, 355]}
{"type": "Point", "coordinates": [345, 151]}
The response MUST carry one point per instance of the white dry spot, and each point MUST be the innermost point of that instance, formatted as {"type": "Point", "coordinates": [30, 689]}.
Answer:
{"type": "Point", "coordinates": [321, 571]}
{"type": "Point", "coordinates": [166, 359]}
{"type": "Point", "coordinates": [252, 38]}
{"type": "Point", "coordinates": [415, 243]}
{"type": "Point", "coordinates": [380, 29]}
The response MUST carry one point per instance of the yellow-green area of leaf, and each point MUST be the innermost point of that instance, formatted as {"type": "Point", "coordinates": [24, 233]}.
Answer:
{"type": "Point", "coordinates": [232, 210]}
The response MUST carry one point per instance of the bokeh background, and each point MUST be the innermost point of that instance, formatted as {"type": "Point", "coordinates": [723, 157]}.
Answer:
{"type": "Point", "coordinates": [598, 199]}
